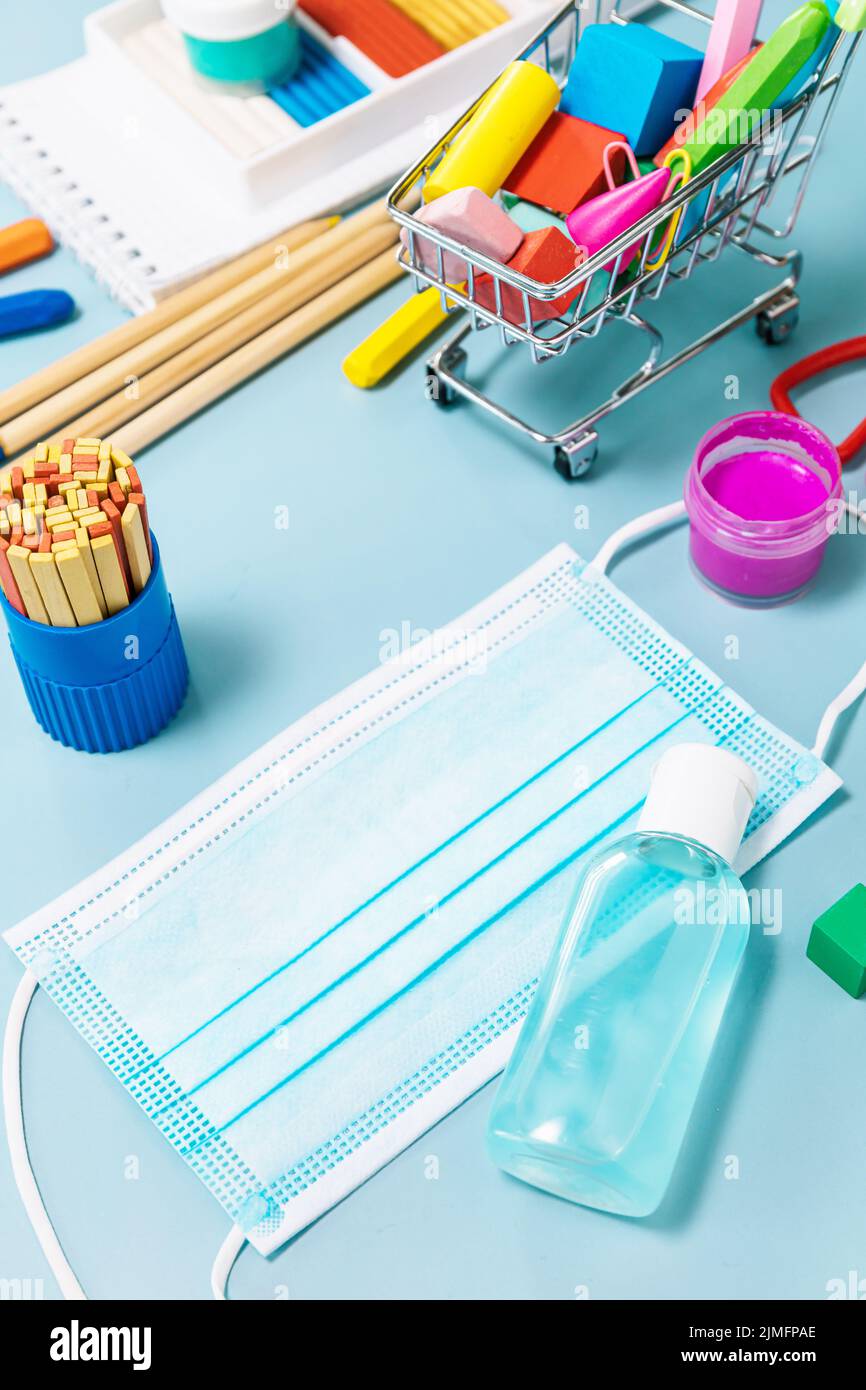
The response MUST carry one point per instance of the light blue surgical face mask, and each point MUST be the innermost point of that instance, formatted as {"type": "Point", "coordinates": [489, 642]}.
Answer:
{"type": "Point", "coordinates": [333, 946]}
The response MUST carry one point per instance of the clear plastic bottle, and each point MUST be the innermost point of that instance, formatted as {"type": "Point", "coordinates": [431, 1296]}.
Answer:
{"type": "Point", "coordinates": [595, 1101]}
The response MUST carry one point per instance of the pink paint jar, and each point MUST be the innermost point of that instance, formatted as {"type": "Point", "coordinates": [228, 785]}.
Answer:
{"type": "Point", "coordinates": [758, 496]}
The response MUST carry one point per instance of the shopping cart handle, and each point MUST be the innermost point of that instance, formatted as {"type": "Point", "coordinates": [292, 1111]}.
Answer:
{"type": "Point", "coordinates": [851, 15]}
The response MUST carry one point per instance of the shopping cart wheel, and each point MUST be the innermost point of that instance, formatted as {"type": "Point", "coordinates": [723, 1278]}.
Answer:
{"type": "Point", "coordinates": [776, 324]}
{"type": "Point", "coordinates": [571, 462]}
{"type": "Point", "coordinates": [452, 360]}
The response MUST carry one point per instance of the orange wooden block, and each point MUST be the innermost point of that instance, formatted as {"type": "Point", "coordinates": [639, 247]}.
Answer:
{"type": "Point", "coordinates": [564, 165]}
{"type": "Point", "coordinates": [546, 256]}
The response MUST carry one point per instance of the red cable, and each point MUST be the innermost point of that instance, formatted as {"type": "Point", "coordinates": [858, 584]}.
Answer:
{"type": "Point", "coordinates": [835, 356]}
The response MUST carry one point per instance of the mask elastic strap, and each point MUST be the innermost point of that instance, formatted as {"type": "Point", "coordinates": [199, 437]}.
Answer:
{"type": "Point", "coordinates": [13, 1115]}
{"type": "Point", "coordinates": [226, 1256]}
{"type": "Point", "coordinates": [675, 512]}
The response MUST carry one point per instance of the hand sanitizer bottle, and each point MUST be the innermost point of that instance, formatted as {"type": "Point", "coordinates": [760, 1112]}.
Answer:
{"type": "Point", "coordinates": [595, 1101]}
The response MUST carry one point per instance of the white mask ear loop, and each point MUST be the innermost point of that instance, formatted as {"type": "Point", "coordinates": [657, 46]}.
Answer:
{"type": "Point", "coordinates": [13, 1115]}
{"type": "Point", "coordinates": [226, 1256]}
{"type": "Point", "coordinates": [675, 512]}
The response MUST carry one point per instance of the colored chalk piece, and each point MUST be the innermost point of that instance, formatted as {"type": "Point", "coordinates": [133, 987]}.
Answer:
{"type": "Point", "coordinates": [837, 943]}
{"type": "Point", "coordinates": [79, 590]}
{"type": "Point", "coordinates": [632, 78]}
{"type": "Point", "coordinates": [19, 560]}
{"type": "Point", "coordinates": [135, 546]}
{"type": "Point", "coordinates": [738, 114]}
{"type": "Point", "coordinates": [454, 22]}
{"type": "Point", "coordinates": [389, 38]}
{"type": "Point", "coordinates": [393, 340]}
{"type": "Point", "coordinates": [43, 567]}
{"type": "Point", "coordinates": [564, 165]}
{"type": "Point", "coordinates": [8, 582]}
{"type": "Point", "coordinates": [688, 126]}
{"type": "Point", "coordinates": [471, 218]}
{"type": "Point", "coordinates": [545, 256]}
{"type": "Point", "coordinates": [731, 38]}
{"type": "Point", "coordinates": [501, 129]}
{"type": "Point", "coordinates": [110, 573]}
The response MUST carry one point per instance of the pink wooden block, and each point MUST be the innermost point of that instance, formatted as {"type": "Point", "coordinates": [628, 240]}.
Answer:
{"type": "Point", "coordinates": [471, 218]}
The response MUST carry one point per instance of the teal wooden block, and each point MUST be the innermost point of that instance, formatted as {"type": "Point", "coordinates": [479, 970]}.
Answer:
{"type": "Point", "coordinates": [837, 944]}
{"type": "Point", "coordinates": [634, 79]}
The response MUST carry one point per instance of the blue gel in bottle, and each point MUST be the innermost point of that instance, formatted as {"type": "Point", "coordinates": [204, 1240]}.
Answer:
{"type": "Point", "coordinates": [596, 1099]}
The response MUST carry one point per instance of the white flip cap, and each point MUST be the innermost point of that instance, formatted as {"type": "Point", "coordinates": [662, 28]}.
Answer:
{"type": "Point", "coordinates": [703, 793]}
{"type": "Point", "coordinates": [224, 21]}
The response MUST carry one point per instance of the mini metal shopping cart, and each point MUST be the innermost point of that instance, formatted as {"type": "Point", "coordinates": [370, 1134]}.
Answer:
{"type": "Point", "coordinates": [731, 204]}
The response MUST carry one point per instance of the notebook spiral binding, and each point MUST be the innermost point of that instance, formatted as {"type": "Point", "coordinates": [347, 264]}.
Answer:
{"type": "Point", "coordinates": [75, 219]}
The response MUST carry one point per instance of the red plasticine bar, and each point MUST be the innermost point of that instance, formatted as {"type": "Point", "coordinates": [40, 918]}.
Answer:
{"type": "Point", "coordinates": [392, 40]}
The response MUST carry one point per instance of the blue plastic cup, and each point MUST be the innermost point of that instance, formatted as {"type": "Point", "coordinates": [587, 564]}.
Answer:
{"type": "Point", "coordinates": [110, 685]}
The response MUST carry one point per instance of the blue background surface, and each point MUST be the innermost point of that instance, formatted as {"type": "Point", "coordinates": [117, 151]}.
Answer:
{"type": "Point", "coordinates": [404, 513]}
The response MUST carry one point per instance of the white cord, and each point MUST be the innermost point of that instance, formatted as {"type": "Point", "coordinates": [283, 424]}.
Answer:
{"type": "Point", "coordinates": [639, 526]}
{"type": "Point", "coordinates": [226, 1256]}
{"type": "Point", "coordinates": [853, 690]}
{"type": "Point", "coordinates": [676, 511]}
{"type": "Point", "coordinates": [13, 1115]}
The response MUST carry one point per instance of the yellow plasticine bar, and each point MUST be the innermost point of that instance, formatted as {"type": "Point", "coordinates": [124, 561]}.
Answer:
{"type": "Point", "coordinates": [393, 340]}
{"type": "Point", "coordinates": [43, 567]}
{"type": "Point", "coordinates": [136, 546]}
{"type": "Point", "coordinates": [502, 128]}
{"type": "Point", "coordinates": [79, 590]}
{"type": "Point", "coordinates": [19, 559]}
{"type": "Point", "coordinates": [82, 540]}
{"type": "Point", "coordinates": [110, 575]}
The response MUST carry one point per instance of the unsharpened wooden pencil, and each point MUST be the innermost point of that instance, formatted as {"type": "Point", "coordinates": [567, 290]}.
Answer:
{"type": "Point", "coordinates": [47, 382]}
{"type": "Point", "coordinates": [260, 352]}
{"type": "Point", "coordinates": [66, 404]}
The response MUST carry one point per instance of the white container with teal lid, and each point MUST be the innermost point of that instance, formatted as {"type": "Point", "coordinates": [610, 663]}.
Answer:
{"type": "Point", "coordinates": [248, 45]}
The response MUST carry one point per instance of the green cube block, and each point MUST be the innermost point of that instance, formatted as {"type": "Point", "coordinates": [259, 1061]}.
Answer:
{"type": "Point", "coordinates": [837, 944]}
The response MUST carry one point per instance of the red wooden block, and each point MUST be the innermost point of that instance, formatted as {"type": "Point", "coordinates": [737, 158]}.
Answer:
{"type": "Point", "coordinates": [564, 165]}
{"type": "Point", "coordinates": [545, 256]}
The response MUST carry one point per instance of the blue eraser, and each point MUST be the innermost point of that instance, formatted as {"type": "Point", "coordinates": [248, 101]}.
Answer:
{"type": "Point", "coordinates": [634, 79]}
{"type": "Point", "coordinates": [21, 313]}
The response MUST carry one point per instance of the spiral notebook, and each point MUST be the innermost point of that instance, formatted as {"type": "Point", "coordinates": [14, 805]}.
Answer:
{"type": "Point", "coordinates": [152, 180]}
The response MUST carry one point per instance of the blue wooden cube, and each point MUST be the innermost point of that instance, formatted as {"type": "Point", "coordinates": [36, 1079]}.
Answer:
{"type": "Point", "coordinates": [634, 79]}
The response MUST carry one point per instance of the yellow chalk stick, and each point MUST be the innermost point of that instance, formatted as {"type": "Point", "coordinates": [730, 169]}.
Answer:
{"type": "Point", "coordinates": [79, 590]}
{"type": "Point", "coordinates": [19, 559]}
{"type": "Point", "coordinates": [65, 464]}
{"type": "Point", "coordinates": [110, 574]}
{"type": "Point", "coordinates": [82, 540]}
{"type": "Point", "coordinates": [43, 567]}
{"type": "Point", "coordinates": [393, 340]}
{"type": "Point", "coordinates": [502, 128]}
{"type": "Point", "coordinates": [136, 546]}
{"type": "Point", "coordinates": [40, 453]}
{"type": "Point", "coordinates": [119, 458]}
